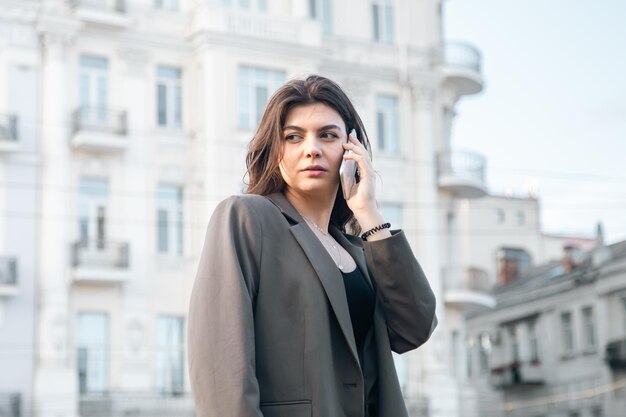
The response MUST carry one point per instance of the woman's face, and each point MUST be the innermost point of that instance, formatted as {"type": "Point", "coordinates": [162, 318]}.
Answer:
{"type": "Point", "coordinates": [313, 135]}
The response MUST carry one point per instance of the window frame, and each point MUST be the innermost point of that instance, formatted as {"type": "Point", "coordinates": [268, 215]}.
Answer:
{"type": "Point", "coordinates": [104, 354]}
{"type": "Point", "coordinates": [167, 353]}
{"type": "Point", "coordinates": [568, 337]}
{"type": "Point", "coordinates": [387, 124]}
{"type": "Point", "coordinates": [250, 79]}
{"type": "Point", "coordinates": [383, 21]}
{"type": "Point", "coordinates": [590, 333]}
{"type": "Point", "coordinates": [174, 226]}
{"type": "Point", "coordinates": [173, 101]}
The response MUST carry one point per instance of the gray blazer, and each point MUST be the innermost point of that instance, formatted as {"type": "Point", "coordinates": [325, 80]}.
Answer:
{"type": "Point", "coordinates": [269, 327]}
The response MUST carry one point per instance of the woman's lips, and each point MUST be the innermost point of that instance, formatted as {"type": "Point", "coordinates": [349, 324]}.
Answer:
{"type": "Point", "coordinates": [314, 170]}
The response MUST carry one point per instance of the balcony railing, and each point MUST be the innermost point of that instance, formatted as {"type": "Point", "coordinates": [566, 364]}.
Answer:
{"type": "Point", "coordinates": [616, 354]}
{"type": "Point", "coordinates": [100, 119]}
{"type": "Point", "coordinates": [100, 254]}
{"type": "Point", "coordinates": [461, 164]}
{"type": "Point", "coordinates": [517, 374]}
{"type": "Point", "coordinates": [462, 55]}
{"type": "Point", "coordinates": [118, 6]}
{"type": "Point", "coordinates": [8, 128]}
{"type": "Point", "coordinates": [8, 272]}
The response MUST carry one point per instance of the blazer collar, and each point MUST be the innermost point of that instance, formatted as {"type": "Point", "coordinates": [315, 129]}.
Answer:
{"type": "Point", "coordinates": [324, 266]}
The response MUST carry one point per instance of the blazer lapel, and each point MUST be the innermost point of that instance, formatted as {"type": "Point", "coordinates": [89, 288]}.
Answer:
{"type": "Point", "coordinates": [325, 268]}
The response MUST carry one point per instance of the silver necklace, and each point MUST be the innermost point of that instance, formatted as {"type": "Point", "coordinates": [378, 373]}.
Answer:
{"type": "Point", "coordinates": [331, 241]}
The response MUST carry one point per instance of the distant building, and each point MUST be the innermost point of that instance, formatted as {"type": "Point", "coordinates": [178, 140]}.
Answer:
{"type": "Point", "coordinates": [555, 344]}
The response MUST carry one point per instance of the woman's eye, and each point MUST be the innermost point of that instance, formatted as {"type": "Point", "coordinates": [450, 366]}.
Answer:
{"type": "Point", "coordinates": [329, 135]}
{"type": "Point", "coordinates": [292, 137]}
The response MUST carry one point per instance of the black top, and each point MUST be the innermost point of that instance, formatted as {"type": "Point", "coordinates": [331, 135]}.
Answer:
{"type": "Point", "coordinates": [360, 304]}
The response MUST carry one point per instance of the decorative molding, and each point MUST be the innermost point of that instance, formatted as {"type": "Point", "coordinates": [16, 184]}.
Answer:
{"type": "Point", "coordinates": [136, 60]}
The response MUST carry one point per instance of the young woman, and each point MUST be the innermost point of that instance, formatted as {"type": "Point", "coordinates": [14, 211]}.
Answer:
{"type": "Point", "coordinates": [293, 312]}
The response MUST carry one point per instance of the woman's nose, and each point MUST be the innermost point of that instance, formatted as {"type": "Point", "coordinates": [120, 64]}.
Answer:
{"type": "Point", "coordinates": [312, 146]}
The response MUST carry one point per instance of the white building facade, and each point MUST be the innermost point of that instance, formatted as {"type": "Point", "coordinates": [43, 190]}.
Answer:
{"type": "Point", "coordinates": [139, 123]}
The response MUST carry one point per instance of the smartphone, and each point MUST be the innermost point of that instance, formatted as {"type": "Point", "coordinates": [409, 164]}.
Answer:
{"type": "Point", "coordinates": [347, 173]}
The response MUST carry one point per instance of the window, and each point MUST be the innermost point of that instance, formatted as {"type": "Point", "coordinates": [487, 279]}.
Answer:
{"type": "Point", "coordinates": [500, 216]}
{"type": "Point", "coordinates": [485, 348]}
{"type": "Point", "coordinates": [92, 335]}
{"type": "Point", "coordinates": [511, 263]}
{"type": "Point", "coordinates": [470, 347]}
{"type": "Point", "coordinates": [92, 210]}
{"type": "Point", "coordinates": [589, 328]}
{"type": "Point", "coordinates": [567, 332]}
{"type": "Point", "coordinates": [93, 90]}
{"type": "Point", "coordinates": [533, 341]}
{"type": "Point", "coordinates": [521, 218]}
{"type": "Point", "coordinates": [170, 219]}
{"type": "Point", "coordinates": [387, 123]}
{"type": "Point", "coordinates": [513, 333]}
{"type": "Point", "coordinates": [169, 97]}
{"type": "Point", "coordinates": [321, 10]}
{"type": "Point", "coordinates": [255, 87]}
{"type": "Point", "coordinates": [258, 5]}
{"type": "Point", "coordinates": [392, 213]}
{"type": "Point", "coordinates": [170, 355]}
{"type": "Point", "coordinates": [170, 5]}
{"type": "Point", "coordinates": [382, 17]}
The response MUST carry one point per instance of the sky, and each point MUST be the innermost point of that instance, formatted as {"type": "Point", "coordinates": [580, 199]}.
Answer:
{"type": "Point", "coordinates": [553, 110]}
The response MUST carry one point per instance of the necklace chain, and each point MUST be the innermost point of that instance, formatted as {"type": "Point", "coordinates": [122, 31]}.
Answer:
{"type": "Point", "coordinates": [331, 241]}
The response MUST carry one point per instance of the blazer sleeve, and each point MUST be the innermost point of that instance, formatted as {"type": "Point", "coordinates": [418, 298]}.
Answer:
{"type": "Point", "coordinates": [407, 300]}
{"type": "Point", "coordinates": [221, 324]}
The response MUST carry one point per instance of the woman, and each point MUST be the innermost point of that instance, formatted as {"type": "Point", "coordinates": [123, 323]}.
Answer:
{"type": "Point", "coordinates": [291, 316]}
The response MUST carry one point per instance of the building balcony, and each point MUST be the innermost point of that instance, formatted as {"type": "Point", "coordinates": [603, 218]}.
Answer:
{"type": "Point", "coordinates": [99, 129]}
{"type": "Point", "coordinates": [616, 355]}
{"type": "Point", "coordinates": [111, 13]}
{"type": "Point", "coordinates": [8, 277]}
{"type": "Point", "coordinates": [462, 173]}
{"type": "Point", "coordinates": [100, 261]}
{"type": "Point", "coordinates": [461, 66]}
{"type": "Point", "coordinates": [8, 133]}
{"type": "Point", "coordinates": [517, 374]}
{"type": "Point", "coordinates": [467, 288]}
{"type": "Point", "coordinates": [219, 20]}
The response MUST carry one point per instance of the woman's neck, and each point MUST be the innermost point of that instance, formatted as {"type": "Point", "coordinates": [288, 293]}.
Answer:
{"type": "Point", "coordinates": [315, 208]}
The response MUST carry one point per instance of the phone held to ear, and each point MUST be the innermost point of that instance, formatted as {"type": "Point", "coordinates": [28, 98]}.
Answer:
{"type": "Point", "coordinates": [347, 172]}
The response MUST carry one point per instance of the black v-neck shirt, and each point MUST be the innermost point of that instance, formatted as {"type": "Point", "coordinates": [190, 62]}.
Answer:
{"type": "Point", "coordinates": [361, 300]}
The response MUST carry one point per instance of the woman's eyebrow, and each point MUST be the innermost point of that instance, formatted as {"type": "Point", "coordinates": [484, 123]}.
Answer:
{"type": "Point", "coordinates": [299, 129]}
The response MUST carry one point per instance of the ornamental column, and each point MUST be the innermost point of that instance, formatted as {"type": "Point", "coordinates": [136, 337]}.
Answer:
{"type": "Point", "coordinates": [56, 376]}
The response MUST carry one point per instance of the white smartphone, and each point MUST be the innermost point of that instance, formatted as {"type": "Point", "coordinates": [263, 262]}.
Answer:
{"type": "Point", "coordinates": [347, 173]}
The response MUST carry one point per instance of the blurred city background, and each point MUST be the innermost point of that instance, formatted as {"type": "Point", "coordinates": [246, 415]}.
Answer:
{"type": "Point", "coordinates": [498, 128]}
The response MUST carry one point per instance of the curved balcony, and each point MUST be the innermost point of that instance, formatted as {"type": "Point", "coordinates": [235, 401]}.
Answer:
{"type": "Point", "coordinates": [517, 374]}
{"type": "Point", "coordinates": [8, 277]}
{"type": "Point", "coordinates": [8, 133]}
{"type": "Point", "coordinates": [99, 129]}
{"type": "Point", "coordinates": [111, 13]}
{"type": "Point", "coordinates": [100, 261]}
{"type": "Point", "coordinates": [467, 288]}
{"type": "Point", "coordinates": [462, 173]}
{"type": "Point", "coordinates": [462, 67]}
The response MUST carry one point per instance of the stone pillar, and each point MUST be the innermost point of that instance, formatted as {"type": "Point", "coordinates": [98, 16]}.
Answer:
{"type": "Point", "coordinates": [137, 363]}
{"type": "Point", "coordinates": [56, 375]}
{"type": "Point", "coordinates": [429, 373]}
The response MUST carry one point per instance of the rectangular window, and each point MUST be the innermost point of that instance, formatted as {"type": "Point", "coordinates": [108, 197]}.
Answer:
{"type": "Point", "coordinates": [169, 97]}
{"type": "Point", "coordinates": [255, 5]}
{"type": "Point", "coordinates": [392, 213]}
{"type": "Point", "coordinates": [93, 196]}
{"type": "Point", "coordinates": [383, 21]}
{"type": "Point", "coordinates": [256, 85]}
{"type": "Point", "coordinates": [170, 355]}
{"type": "Point", "coordinates": [567, 332]}
{"type": "Point", "coordinates": [169, 5]}
{"type": "Point", "coordinates": [589, 328]}
{"type": "Point", "coordinates": [170, 219]}
{"type": "Point", "coordinates": [387, 123]}
{"type": "Point", "coordinates": [469, 349]}
{"type": "Point", "coordinates": [93, 90]}
{"type": "Point", "coordinates": [521, 218]}
{"type": "Point", "coordinates": [513, 333]}
{"type": "Point", "coordinates": [485, 348]}
{"type": "Point", "coordinates": [321, 10]}
{"type": "Point", "coordinates": [92, 339]}
{"type": "Point", "coordinates": [533, 341]}
{"type": "Point", "coordinates": [500, 217]}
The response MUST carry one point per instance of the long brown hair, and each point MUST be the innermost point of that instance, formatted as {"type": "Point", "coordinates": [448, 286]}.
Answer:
{"type": "Point", "coordinates": [266, 147]}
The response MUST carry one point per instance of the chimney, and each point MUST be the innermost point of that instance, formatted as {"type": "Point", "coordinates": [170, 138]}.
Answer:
{"type": "Point", "coordinates": [601, 252]}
